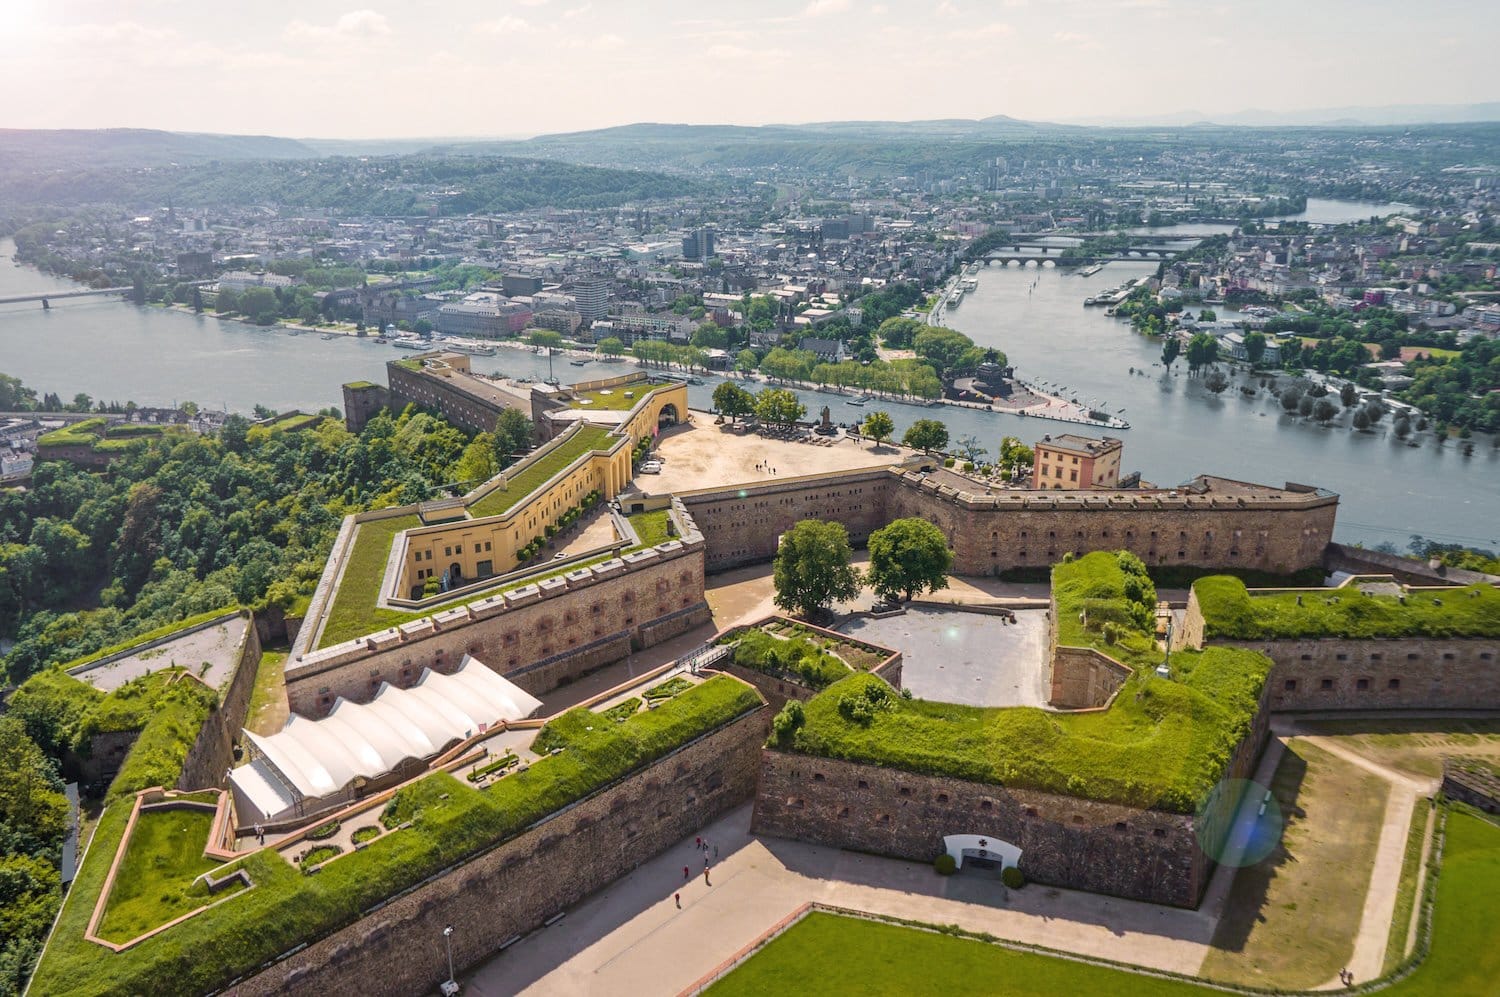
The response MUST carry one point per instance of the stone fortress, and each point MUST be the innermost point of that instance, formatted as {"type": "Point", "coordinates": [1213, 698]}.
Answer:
{"type": "Point", "coordinates": [375, 624]}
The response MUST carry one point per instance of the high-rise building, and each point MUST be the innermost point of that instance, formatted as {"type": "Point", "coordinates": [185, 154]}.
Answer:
{"type": "Point", "coordinates": [593, 298]}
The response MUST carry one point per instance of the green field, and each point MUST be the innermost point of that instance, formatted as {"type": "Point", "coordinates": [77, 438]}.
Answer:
{"type": "Point", "coordinates": [155, 882]}
{"type": "Point", "coordinates": [354, 612]}
{"type": "Point", "coordinates": [541, 470]}
{"type": "Point", "coordinates": [615, 400]}
{"type": "Point", "coordinates": [828, 954]}
{"type": "Point", "coordinates": [651, 527]}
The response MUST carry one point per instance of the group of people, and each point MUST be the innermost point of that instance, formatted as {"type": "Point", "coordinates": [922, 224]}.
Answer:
{"type": "Point", "coordinates": [700, 843]}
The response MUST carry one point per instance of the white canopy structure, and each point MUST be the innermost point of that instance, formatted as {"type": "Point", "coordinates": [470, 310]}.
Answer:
{"type": "Point", "coordinates": [312, 763]}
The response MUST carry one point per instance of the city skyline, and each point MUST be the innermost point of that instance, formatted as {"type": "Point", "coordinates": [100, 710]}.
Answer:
{"type": "Point", "coordinates": [394, 69]}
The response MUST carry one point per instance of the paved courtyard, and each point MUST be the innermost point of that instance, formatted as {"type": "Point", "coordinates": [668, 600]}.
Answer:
{"type": "Point", "coordinates": [208, 653]}
{"type": "Point", "coordinates": [706, 455]}
{"type": "Point", "coordinates": [954, 656]}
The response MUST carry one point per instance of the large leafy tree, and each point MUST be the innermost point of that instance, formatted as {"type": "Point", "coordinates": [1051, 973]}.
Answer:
{"type": "Point", "coordinates": [777, 405]}
{"type": "Point", "coordinates": [879, 426]}
{"type": "Point", "coordinates": [907, 558]}
{"type": "Point", "coordinates": [812, 568]}
{"type": "Point", "coordinates": [734, 401]}
{"type": "Point", "coordinates": [926, 434]}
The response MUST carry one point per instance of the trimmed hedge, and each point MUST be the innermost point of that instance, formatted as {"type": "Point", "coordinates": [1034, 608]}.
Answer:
{"type": "Point", "coordinates": [796, 658]}
{"type": "Point", "coordinates": [451, 823]}
{"type": "Point", "coordinates": [323, 831]}
{"type": "Point", "coordinates": [1230, 612]}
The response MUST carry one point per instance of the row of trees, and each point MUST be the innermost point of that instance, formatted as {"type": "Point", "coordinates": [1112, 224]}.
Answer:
{"type": "Point", "coordinates": [813, 567]}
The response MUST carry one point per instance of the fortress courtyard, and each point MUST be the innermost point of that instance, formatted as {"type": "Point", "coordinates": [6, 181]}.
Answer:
{"type": "Point", "coordinates": [705, 455]}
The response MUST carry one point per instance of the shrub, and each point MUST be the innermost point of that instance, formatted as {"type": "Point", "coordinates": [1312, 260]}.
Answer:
{"type": "Point", "coordinates": [367, 833]}
{"type": "Point", "coordinates": [620, 711]}
{"type": "Point", "coordinates": [786, 723]}
{"type": "Point", "coordinates": [318, 856]}
{"type": "Point", "coordinates": [1013, 877]}
{"type": "Point", "coordinates": [947, 461]}
{"type": "Point", "coordinates": [945, 865]}
{"type": "Point", "coordinates": [323, 831]}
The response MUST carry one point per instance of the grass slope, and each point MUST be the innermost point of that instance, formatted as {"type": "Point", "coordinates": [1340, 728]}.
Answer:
{"type": "Point", "coordinates": [155, 883]}
{"type": "Point", "coordinates": [826, 954]}
{"type": "Point", "coordinates": [540, 471]}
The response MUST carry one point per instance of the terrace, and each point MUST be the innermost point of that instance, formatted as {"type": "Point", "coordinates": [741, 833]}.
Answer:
{"type": "Point", "coordinates": [618, 399]}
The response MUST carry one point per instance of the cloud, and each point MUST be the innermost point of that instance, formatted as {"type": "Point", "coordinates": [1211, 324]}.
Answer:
{"type": "Point", "coordinates": [504, 25]}
{"type": "Point", "coordinates": [598, 43]}
{"type": "Point", "coordinates": [995, 29]}
{"type": "Point", "coordinates": [364, 23]}
{"type": "Point", "coordinates": [946, 9]}
{"type": "Point", "coordinates": [573, 12]}
{"type": "Point", "coordinates": [820, 8]}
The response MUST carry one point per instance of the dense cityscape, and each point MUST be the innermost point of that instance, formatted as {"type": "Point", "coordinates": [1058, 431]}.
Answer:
{"type": "Point", "coordinates": [1009, 556]}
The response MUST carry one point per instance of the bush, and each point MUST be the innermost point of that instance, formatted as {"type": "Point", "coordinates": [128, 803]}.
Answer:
{"type": "Point", "coordinates": [945, 865]}
{"type": "Point", "coordinates": [1013, 877]}
{"type": "Point", "coordinates": [367, 833]}
{"type": "Point", "coordinates": [318, 856]}
{"type": "Point", "coordinates": [323, 831]}
{"type": "Point", "coordinates": [947, 461]}
{"type": "Point", "coordinates": [784, 726]}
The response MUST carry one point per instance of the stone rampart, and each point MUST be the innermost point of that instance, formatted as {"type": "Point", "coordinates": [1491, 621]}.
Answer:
{"type": "Point", "coordinates": [1140, 854]}
{"type": "Point", "coordinates": [212, 753]}
{"type": "Point", "coordinates": [539, 635]}
{"type": "Point", "coordinates": [1083, 678]}
{"type": "Point", "coordinates": [397, 948]}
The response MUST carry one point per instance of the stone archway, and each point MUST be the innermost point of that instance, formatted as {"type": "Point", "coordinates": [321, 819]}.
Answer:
{"type": "Point", "coordinates": [980, 846]}
{"type": "Point", "coordinates": [668, 416]}
{"type": "Point", "coordinates": [455, 574]}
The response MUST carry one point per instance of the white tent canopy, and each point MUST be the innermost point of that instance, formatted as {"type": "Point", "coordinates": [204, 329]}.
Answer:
{"type": "Point", "coordinates": [314, 759]}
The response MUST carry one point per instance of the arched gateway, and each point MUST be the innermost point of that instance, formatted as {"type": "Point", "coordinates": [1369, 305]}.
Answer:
{"type": "Point", "coordinates": [977, 846]}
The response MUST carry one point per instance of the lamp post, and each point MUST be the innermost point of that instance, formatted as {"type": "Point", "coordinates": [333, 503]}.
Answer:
{"type": "Point", "coordinates": [451, 986]}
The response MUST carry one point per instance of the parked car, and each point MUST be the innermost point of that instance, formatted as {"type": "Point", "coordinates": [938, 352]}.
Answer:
{"type": "Point", "coordinates": [651, 467]}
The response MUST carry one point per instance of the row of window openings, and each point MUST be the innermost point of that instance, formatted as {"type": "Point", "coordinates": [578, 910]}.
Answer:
{"type": "Point", "coordinates": [1411, 656]}
{"type": "Point", "coordinates": [1326, 685]}
{"type": "Point", "coordinates": [1181, 554]}
{"type": "Point", "coordinates": [449, 550]}
{"type": "Point", "coordinates": [1130, 534]}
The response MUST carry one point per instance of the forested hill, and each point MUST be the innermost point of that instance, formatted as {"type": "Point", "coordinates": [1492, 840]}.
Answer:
{"type": "Point", "coordinates": [35, 148]}
{"type": "Point", "coordinates": [405, 185]}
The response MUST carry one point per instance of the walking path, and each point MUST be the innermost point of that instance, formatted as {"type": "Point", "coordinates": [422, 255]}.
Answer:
{"type": "Point", "coordinates": [632, 938]}
{"type": "Point", "coordinates": [1368, 960]}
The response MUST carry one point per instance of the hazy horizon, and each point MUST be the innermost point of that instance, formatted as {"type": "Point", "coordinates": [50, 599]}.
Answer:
{"type": "Point", "coordinates": [516, 68]}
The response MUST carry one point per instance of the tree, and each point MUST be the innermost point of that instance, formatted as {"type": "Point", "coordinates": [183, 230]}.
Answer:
{"type": "Point", "coordinates": [1374, 411]}
{"type": "Point", "coordinates": [610, 346]}
{"type": "Point", "coordinates": [812, 568]}
{"type": "Point", "coordinates": [1324, 410]}
{"type": "Point", "coordinates": [1208, 315]}
{"type": "Point", "coordinates": [512, 435]}
{"type": "Point", "coordinates": [878, 426]}
{"type": "Point", "coordinates": [1402, 427]}
{"type": "Point", "coordinates": [1202, 351]}
{"type": "Point", "coordinates": [1361, 420]}
{"type": "Point", "coordinates": [1217, 382]}
{"type": "Point", "coordinates": [478, 462]}
{"type": "Point", "coordinates": [777, 405]}
{"type": "Point", "coordinates": [734, 401]}
{"type": "Point", "coordinates": [710, 337]}
{"type": "Point", "coordinates": [422, 327]}
{"type": "Point", "coordinates": [1170, 351]}
{"type": "Point", "coordinates": [1348, 394]}
{"type": "Point", "coordinates": [746, 361]}
{"type": "Point", "coordinates": [970, 448]}
{"type": "Point", "coordinates": [1291, 398]}
{"type": "Point", "coordinates": [926, 434]}
{"type": "Point", "coordinates": [907, 558]}
{"type": "Point", "coordinates": [1255, 347]}
{"type": "Point", "coordinates": [138, 289]}
{"type": "Point", "coordinates": [197, 299]}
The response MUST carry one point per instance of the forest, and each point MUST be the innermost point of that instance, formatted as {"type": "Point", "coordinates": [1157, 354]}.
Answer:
{"type": "Point", "coordinates": [196, 523]}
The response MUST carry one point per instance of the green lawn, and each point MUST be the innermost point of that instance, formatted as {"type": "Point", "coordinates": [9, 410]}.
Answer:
{"type": "Point", "coordinates": [1291, 919]}
{"type": "Point", "coordinates": [155, 882]}
{"type": "Point", "coordinates": [542, 470]}
{"type": "Point", "coordinates": [1229, 611]}
{"type": "Point", "coordinates": [615, 400]}
{"type": "Point", "coordinates": [1162, 744]}
{"type": "Point", "coordinates": [1464, 958]}
{"type": "Point", "coordinates": [268, 705]}
{"type": "Point", "coordinates": [651, 527]}
{"type": "Point", "coordinates": [354, 612]}
{"type": "Point", "coordinates": [828, 954]}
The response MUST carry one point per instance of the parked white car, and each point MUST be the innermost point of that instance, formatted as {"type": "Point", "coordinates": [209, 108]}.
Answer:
{"type": "Point", "coordinates": [651, 467]}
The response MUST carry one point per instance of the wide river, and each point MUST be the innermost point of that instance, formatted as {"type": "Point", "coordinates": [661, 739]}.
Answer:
{"type": "Point", "coordinates": [1389, 490]}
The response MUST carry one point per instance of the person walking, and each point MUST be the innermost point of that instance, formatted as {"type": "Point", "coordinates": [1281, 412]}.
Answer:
{"type": "Point", "coordinates": [716, 853]}
{"type": "Point", "coordinates": [678, 898]}
{"type": "Point", "coordinates": [686, 874]}
{"type": "Point", "coordinates": [705, 877]}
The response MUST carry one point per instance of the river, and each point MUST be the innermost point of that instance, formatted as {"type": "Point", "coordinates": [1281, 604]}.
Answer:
{"type": "Point", "coordinates": [112, 350]}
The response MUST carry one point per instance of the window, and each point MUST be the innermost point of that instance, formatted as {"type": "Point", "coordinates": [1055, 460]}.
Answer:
{"type": "Point", "coordinates": [1326, 684]}
{"type": "Point", "coordinates": [1362, 685]}
{"type": "Point", "coordinates": [1290, 685]}
{"type": "Point", "coordinates": [1393, 684]}
{"type": "Point", "coordinates": [1341, 657]}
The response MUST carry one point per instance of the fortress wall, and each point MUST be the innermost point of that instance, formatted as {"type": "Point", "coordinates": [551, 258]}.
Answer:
{"type": "Point", "coordinates": [212, 753]}
{"type": "Point", "coordinates": [1131, 852]}
{"type": "Point", "coordinates": [398, 949]}
{"type": "Point", "coordinates": [541, 635]}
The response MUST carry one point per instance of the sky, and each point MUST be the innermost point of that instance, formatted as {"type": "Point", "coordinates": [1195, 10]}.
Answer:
{"type": "Point", "coordinates": [499, 68]}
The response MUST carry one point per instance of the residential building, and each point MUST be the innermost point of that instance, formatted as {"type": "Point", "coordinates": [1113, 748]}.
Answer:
{"type": "Point", "coordinates": [1071, 463]}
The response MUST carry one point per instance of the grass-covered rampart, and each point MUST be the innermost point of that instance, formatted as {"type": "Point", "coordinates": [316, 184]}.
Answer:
{"type": "Point", "coordinates": [1164, 743]}
{"type": "Point", "coordinates": [1231, 612]}
{"type": "Point", "coordinates": [451, 821]}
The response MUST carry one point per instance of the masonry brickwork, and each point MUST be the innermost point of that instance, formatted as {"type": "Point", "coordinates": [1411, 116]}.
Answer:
{"type": "Point", "coordinates": [1339, 673]}
{"type": "Point", "coordinates": [444, 382]}
{"type": "Point", "coordinates": [212, 753]}
{"type": "Point", "coordinates": [1217, 524]}
{"type": "Point", "coordinates": [538, 636]}
{"type": "Point", "coordinates": [397, 949]}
